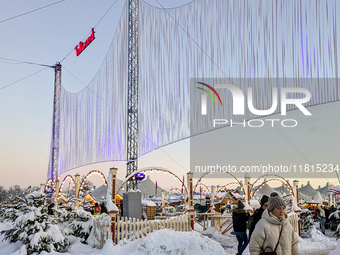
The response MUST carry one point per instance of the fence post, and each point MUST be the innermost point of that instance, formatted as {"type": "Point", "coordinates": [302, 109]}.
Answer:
{"type": "Point", "coordinates": [191, 210]}
{"type": "Point", "coordinates": [42, 187]}
{"type": "Point", "coordinates": [113, 199]}
{"type": "Point", "coordinates": [56, 194]}
{"type": "Point", "coordinates": [163, 200]}
{"type": "Point", "coordinates": [248, 186]}
{"type": "Point", "coordinates": [296, 183]}
{"type": "Point", "coordinates": [212, 198]}
{"type": "Point", "coordinates": [77, 189]}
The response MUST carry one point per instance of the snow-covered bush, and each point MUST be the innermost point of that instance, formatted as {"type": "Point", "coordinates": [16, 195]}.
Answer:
{"type": "Point", "coordinates": [82, 224]}
{"type": "Point", "coordinates": [335, 216]}
{"type": "Point", "coordinates": [33, 226]}
{"type": "Point", "coordinates": [98, 233]}
{"type": "Point", "coordinates": [61, 215]}
{"type": "Point", "coordinates": [307, 222]}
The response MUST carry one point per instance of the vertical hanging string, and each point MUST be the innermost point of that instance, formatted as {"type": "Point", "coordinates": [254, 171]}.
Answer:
{"type": "Point", "coordinates": [292, 40]}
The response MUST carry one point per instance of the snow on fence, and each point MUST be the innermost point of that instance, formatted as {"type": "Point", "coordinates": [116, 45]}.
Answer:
{"type": "Point", "coordinates": [294, 220]}
{"type": "Point", "coordinates": [130, 229]}
{"type": "Point", "coordinates": [99, 232]}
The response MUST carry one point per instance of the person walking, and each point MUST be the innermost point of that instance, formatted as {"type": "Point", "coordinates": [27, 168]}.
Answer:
{"type": "Point", "coordinates": [322, 218]}
{"type": "Point", "coordinates": [103, 208]}
{"type": "Point", "coordinates": [258, 214]}
{"type": "Point", "coordinates": [273, 233]}
{"type": "Point", "coordinates": [240, 218]}
{"type": "Point", "coordinates": [96, 209]}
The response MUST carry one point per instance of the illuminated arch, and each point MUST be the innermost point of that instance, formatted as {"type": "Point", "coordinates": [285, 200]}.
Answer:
{"type": "Point", "coordinates": [89, 174]}
{"type": "Point", "coordinates": [172, 191]}
{"type": "Point", "coordinates": [239, 183]}
{"type": "Point", "coordinates": [200, 184]}
{"type": "Point", "coordinates": [50, 180]}
{"type": "Point", "coordinates": [274, 178]}
{"type": "Point", "coordinates": [225, 186]}
{"type": "Point", "coordinates": [151, 169]}
{"type": "Point", "coordinates": [65, 178]}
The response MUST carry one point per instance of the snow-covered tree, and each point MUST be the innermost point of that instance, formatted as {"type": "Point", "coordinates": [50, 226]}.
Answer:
{"type": "Point", "coordinates": [336, 216]}
{"type": "Point", "coordinates": [61, 215]}
{"type": "Point", "coordinates": [307, 222]}
{"type": "Point", "coordinates": [82, 224]}
{"type": "Point", "coordinates": [2, 194]}
{"type": "Point", "coordinates": [33, 226]}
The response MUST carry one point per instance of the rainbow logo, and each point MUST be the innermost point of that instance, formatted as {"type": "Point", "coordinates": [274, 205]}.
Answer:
{"type": "Point", "coordinates": [209, 93]}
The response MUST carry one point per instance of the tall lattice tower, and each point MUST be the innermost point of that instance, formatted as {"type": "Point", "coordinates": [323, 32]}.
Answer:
{"type": "Point", "coordinates": [132, 122]}
{"type": "Point", "coordinates": [56, 123]}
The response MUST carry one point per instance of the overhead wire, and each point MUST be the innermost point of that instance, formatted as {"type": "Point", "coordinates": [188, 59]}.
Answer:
{"type": "Point", "coordinates": [93, 27]}
{"type": "Point", "coordinates": [24, 62]}
{"type": "Point", "coordinates": [23, 78]}
{"type": "Point", "coordinates": [17, 16]}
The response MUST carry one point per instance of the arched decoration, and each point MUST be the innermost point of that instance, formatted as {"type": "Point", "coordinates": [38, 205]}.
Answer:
{"type": "Point", "coordinates": [172, 191]}
{"type": "Point", "coordinates": [227, 185]}
{"type": "Point", "coordinates": [238, 182]}
{"type": "Point", "coordinates": [274, 178]}
{"type": "Point", "coordinates": [50, 180]}
{"type": "Point", "coordinates": [93, 172]}
{"type": "Point", "coordinates": [200, 184]}
{"type": "Point", "coordinates": [67, 177]}
{"type": "Point", "coordinates": [151, 169]}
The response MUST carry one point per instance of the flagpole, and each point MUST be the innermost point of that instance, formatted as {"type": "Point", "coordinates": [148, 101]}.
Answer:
{"type": "Point", "coordinates": [156, 190]}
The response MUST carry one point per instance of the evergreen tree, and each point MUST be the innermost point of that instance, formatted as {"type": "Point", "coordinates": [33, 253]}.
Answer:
{"type": "Point", "coordinates": [82, 224]}
{"type": "Point", "coordinates": [335, 216]}
{"type": "Point", "coordinates": [33, 226]}
{"type": "Point", "coordinates": [307, 221]}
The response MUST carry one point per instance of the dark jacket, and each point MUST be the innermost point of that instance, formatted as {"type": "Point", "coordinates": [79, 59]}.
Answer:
{"type": "Point", "coordinates": [103, 209]}
{"type": "Point", "coordinates": [255, 219]}
{"type": "Point", "coordinates": [240, 218]}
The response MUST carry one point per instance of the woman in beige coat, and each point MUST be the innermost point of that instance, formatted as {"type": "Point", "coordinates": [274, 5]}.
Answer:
{"type": "Point", "coordinates": [267, 231]}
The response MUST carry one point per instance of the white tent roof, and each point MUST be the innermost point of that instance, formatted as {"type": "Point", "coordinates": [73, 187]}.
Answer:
{"type": "Point", "coordinates": [318, 198]}
{"type": "Point", "coordinates": [147, 188]}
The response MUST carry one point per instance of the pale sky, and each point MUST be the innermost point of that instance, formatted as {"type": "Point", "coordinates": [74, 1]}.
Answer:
{"type": "Point", "coordinates": [48, 35]}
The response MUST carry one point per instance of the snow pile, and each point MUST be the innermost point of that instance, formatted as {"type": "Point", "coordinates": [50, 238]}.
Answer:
{"type": "Point", "coordinates": [255, 204]}
{"type": "Point", "coordinates": [336, 251]}
{"type": "Point", "coordinates": [171, 242]}
{"type": "Point", "coordinates": [247, 206]}
{"type": "Point", "coordinates": [227, 241]}
{"type": "Point", "coordinates": [148, 203]}
{"type": "Point", "coordinates": [317, 242]}
{"type": "Point", "coordinates": [109, 205]}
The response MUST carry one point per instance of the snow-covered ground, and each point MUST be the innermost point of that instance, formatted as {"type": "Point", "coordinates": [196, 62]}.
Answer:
{"type": "Point", "coordinates": [171, 242]}
{"type": "Point", "coordinates": [317, 244]}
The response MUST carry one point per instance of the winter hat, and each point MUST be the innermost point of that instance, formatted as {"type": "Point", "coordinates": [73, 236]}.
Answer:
{"type": "Point", "coordinates": [240, 205]}
{"type": "Point", "coordinates": [275, 201]}
{"type": "Point", "coordinates": [264, 200]}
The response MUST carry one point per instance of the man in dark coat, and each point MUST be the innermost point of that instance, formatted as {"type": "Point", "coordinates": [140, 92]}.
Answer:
{"type": "Point", "coordinates": [258, 214]}
{"type": "Point", "coordinates": [103, 208]}
{"type": "Point", "coordinates": [240, 218]}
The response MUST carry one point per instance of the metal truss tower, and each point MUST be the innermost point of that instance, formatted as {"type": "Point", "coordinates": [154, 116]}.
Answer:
{"type": "Point", "coordinates": [132, 122]}
{"type": "Point", "coordinates": [56, 122]}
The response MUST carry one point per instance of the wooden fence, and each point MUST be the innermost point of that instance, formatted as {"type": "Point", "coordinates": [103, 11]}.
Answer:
{"type": "Point", "coordinates": [130, 229]}
{"type": "Point", "coordinates": [294, 220]}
